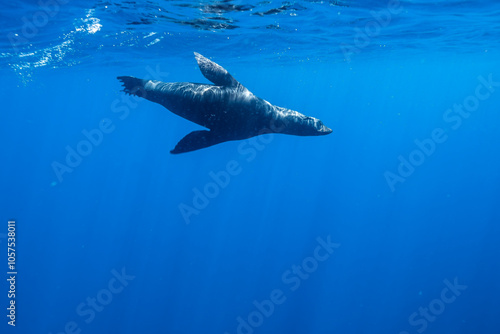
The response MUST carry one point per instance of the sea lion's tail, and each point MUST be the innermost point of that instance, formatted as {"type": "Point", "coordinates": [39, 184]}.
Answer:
{"type": "Point", "coordinates": [133, 86]}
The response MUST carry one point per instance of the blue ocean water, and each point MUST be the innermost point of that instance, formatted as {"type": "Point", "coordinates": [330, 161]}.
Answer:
{"type": "Point", "coordinates": [388, 225]}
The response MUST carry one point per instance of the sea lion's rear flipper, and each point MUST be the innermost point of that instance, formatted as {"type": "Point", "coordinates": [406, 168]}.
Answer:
{"type": "Point", "coordinates": [197, 140]}
{"type": "Point", "coordinates": [133, 86]}
{"type": "Point", "coordinates": [215, 73]}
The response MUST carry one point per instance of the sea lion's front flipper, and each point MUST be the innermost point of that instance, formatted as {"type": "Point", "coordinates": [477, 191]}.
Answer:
{"type": "Point", "coordinates": [214, 72]}
{"type": "Point", "coordinates": [196, 140]}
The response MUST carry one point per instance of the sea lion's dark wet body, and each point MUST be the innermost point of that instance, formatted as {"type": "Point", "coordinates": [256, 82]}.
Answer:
{"type": "Point", "coordinates": [227, 108]}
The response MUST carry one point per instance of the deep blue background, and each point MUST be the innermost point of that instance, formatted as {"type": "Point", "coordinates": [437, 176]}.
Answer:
{"type": "Point", "coordinates": [119, 208]}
